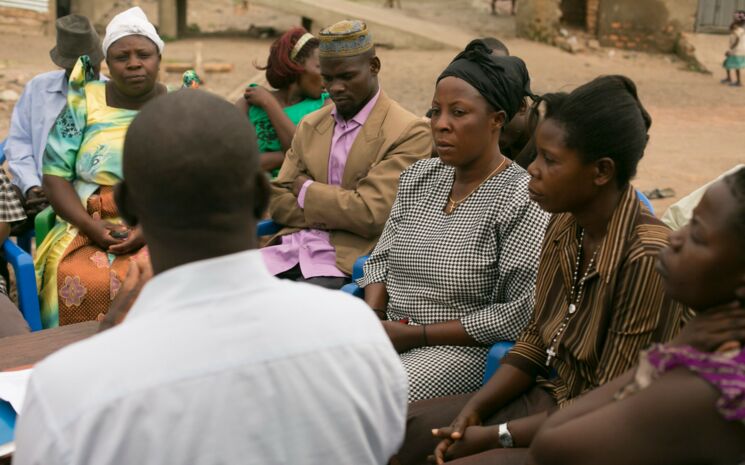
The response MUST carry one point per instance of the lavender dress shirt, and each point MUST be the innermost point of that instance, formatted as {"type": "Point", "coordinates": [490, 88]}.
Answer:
{"type": "Point", "coordinates": [311, 248]}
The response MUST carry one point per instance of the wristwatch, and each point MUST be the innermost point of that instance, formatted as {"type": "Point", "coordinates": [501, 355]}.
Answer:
{"type": "Point", "coordinates": [505, 437]}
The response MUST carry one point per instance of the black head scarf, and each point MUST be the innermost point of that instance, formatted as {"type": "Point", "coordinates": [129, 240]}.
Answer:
{"type": "Point", "coordinates": [503, 81]}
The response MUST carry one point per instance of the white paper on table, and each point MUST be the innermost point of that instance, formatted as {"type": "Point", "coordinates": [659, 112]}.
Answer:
{"type": "Point", "coordinates": [13, 386]}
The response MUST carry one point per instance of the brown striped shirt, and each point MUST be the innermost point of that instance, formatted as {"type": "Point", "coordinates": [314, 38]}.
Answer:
{"type": "Point", "coordinates": [624, 307]}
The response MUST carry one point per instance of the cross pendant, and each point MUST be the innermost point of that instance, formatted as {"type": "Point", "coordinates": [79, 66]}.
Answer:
{"type": "Point", "coordinates": [551, 354]}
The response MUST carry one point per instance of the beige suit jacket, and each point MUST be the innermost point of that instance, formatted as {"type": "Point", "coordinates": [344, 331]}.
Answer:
{"type": "Point", "coordinates": [355, 212]}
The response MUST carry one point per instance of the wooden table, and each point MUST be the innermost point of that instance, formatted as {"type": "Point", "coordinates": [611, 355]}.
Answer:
{"type": "Point", "coordinates": [30, 348]}
{"type": "Point", "coordinates": [27, 349]}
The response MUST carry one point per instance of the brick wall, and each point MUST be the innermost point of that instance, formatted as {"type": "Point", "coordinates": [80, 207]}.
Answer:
{"type": "Point", "coordinates": [646, 25]}
{"type": "Point", "coordinates": [21, 21]}
{"type": "Point", "coordinates": [593, 8]}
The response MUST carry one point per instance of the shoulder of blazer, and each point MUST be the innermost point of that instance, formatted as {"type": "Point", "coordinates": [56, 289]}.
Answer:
{"type": "Point", "coordinates": [397, 120]}
{"type": "Point", "coordinates": [320, 120]}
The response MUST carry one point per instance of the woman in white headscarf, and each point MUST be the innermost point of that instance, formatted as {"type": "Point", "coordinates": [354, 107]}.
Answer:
{"type": "Point", "coordinates": [84, 258]}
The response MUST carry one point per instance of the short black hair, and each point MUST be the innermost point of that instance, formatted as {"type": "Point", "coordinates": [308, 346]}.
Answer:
{"type": "Point", "coordinates": [495, 44]}
{"type": "Point", "coordinates": [551, 102]}
{"type": "Point", "coordinates": [191, 160]}
{"type": "Point", "coordinates": [736, 184]}
{"type": "Point", "coordinates": [605, 118]}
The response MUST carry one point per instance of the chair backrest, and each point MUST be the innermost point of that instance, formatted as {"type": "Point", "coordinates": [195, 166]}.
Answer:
{"type": "Point", "coordinates": [28, 295]}
{"type": "Point", "coordinates": [644, 200]}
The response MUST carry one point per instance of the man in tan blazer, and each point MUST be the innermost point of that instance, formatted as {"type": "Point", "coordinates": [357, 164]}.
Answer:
{"type": "Point", "coordinates": [339, 178]}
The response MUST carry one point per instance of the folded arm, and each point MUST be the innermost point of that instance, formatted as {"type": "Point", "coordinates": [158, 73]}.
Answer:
{"type": "Point", "coordinates": [365, 209]}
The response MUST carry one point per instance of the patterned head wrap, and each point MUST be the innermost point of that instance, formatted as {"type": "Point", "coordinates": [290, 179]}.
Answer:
{"type": "Point", "coordinates": [503, 81]}
{"type": "Point", "coordinates": [345, 39]}
{"type": "Point", "coordinates": [129, 23]}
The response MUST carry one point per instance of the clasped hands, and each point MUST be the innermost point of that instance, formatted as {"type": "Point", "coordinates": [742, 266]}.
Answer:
{"type": "Point", "coordinates": [114, 238]}
{"type": "Point", "coordinates": [298, 184]}
{"type": "Point", "coordinates": [465, 436]}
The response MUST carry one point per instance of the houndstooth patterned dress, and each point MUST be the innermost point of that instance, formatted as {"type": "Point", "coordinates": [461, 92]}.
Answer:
{"type": "Point", "coordinates": [477, 265]}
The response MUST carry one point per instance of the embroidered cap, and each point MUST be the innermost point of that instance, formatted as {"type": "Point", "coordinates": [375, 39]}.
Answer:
{"type": "Point", "coordinates": [345, 39]}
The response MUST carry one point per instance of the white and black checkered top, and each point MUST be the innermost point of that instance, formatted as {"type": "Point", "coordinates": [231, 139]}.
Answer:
{"type": "Point", "coordinates": [477, 265]}
{"type": "Point", "coordinates": [11, 211]}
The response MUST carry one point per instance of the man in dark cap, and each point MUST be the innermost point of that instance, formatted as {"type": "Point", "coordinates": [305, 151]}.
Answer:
{"type": "Point", "coordinates": [339, 179]}
{"type": "Point", "coordinates": [217, 361]}
{"type": "Point", "coordinates": [42, 100]}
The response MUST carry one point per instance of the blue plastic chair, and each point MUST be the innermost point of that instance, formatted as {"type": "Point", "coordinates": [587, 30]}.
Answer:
{"type": "Point", "coordinates": [267, 228]}
{"type": "Point", "coordinates": [645, 201]}
{"type": "Point", "coordinates": [7, 422]}
{"type": "Point", "coordinates": [494, 358]}
{"type": "Point", "coordinates": [357, 273]}
{"type": "Point", "coordinates": [28, 295]}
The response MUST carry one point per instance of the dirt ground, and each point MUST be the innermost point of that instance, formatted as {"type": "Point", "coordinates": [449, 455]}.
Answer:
{"type": "Point", "coordinates": [698, 126]}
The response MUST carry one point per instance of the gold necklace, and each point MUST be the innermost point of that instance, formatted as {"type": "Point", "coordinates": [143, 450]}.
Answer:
{"type": "Point", "coordinates": [453, 204]}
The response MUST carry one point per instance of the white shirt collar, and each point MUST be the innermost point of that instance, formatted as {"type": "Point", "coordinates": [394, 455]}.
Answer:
{"type": "Point", "coordinates": [58, 85]}
{"type": "Point", "coordinates": [202, 280]}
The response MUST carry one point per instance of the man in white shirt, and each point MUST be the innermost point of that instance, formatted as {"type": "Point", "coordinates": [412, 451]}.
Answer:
{"type": "Point", "coordinates": [217, 361]}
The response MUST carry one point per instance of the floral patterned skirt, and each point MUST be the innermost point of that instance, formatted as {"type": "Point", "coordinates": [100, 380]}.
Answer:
{"type": "Point", "coordinates": [77, 279]}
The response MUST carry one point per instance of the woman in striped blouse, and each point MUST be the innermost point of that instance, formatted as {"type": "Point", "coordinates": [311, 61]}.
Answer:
{"type": "Point", "coordinates": [599, 300]}
{"type": "Point", "coordinates": [685, 401]}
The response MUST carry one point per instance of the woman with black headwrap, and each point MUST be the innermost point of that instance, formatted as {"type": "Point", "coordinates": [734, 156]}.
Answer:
{"type": "Point", "coordinates": [598, 298]}
{"type": "Point", "coordinates": [455, 268]}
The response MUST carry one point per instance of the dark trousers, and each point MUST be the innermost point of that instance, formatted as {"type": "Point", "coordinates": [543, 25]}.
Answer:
{"type": "Point", "coordinates": [11, 320]}
{"type": "Point", "coordinates": [329, 282]}
{"type": "Point", "coordinates": [425, 415]}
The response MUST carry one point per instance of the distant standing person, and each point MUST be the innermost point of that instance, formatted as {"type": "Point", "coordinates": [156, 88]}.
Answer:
{"type": "Point", "coordinates": [494, 7]}
{"type": "Point", "coordinates": [735, 60]}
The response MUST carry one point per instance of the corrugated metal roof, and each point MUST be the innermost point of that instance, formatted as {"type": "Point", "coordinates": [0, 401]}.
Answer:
{"type": "Point", "coordinates": [41, 6]}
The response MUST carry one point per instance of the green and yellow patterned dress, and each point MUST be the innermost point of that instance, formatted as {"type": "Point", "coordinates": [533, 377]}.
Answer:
{"type": "Point", "coordinates": [77, 279]}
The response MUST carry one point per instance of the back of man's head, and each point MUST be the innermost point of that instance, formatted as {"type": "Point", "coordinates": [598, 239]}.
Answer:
{"type": "Point", "coordinates": [191, 163]}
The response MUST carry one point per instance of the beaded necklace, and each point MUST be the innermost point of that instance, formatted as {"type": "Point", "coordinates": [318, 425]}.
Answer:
{"type": "Point", "coordinates": [578, 290]}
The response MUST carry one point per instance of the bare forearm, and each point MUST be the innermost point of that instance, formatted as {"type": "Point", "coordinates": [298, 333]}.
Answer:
{"type": "Point", "coordinates": [590, 401]}
{"type": "Point", "coordinates": [505, 385]}
{"type": "Point", "coordinates": [449, 333]}
{"type": "Point", "coordinates": [65, 202]}
{"type": "Point", "coordinates": [376, 296]}
{"type": "Point", "coordinates": [271, 160]}
{"type": "Point", "coordinates": [523, 430]}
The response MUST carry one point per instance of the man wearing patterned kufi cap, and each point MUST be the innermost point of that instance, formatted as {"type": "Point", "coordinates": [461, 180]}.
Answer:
{"type": "Point", "coordinates": [339, 179]}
